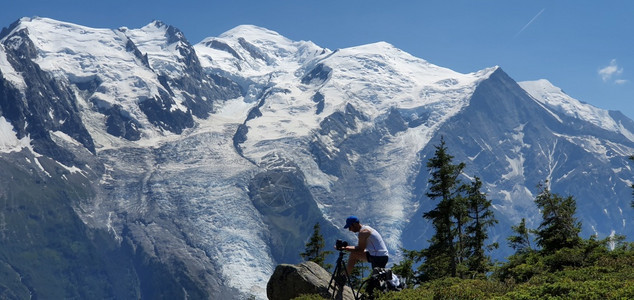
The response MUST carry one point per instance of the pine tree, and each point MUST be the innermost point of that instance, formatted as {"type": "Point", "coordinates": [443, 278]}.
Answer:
{"type": "Point", "coordinates": [520, 242]}
{"type": "Point", "coordinates": [632, 204]}
{"type": "Point", "coordinates": [315, 249]}
{"type": "Point", "coordinates": [441, 255]}
{"type": "Point", "coordinates": [559, 228]}
{"type": "Point", "coordinates": [481, 217]}
{"type": "Point", "coordinates": [461, 219]}
{"type": "Point", "coordinates": [405, 267]}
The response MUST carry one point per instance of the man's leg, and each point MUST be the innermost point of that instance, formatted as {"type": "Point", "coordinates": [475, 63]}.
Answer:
{"type": "Point", "coordinates": [355, 256]}
{"type": "Point", "coordinates": [378, 261]}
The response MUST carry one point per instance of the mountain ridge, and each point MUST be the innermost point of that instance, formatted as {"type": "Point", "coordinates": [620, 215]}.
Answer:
{"type": "Point", "coordinates": [212, 162]}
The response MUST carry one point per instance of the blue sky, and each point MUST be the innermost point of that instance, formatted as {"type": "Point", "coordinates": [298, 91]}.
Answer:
{"type": "Point", "coordinates": [584, 47]}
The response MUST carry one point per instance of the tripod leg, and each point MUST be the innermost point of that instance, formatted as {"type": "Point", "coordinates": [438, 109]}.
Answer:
{"type": "Point", "coordinates": [339, 277]}
{"type": "Point", "coordinates": [333, 278]}
{"type": "Point", "coordinates": [340, 282]}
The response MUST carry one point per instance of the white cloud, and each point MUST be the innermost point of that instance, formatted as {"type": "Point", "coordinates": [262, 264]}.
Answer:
{"type": "Point", "coordinates": [620, 81]}
{"type": "Point", "coordinates": [611, 70]}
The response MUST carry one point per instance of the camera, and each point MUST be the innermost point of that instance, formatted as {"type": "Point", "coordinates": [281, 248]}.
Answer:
{"type": "Point", "coordinates": [340, 244]}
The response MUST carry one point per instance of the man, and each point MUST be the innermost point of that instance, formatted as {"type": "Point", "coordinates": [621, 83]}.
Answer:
{"type": "Point", "coordinates": [370, 248]}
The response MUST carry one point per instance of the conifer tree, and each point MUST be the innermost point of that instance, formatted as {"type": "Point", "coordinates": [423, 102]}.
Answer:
{"type": "Point", "coordinates": [520, 242]}
{"type": "Point", "coordinates": [405, 267]}
{"type": "Point", "coordinates": [480, 217]}
{"type": "Point", "coordinates": [315, 251]}
{"type": "Point", "coordinates": [441, 255]}
{"type": "Point", "coordinates": [461, 219]}
{"type": "Point", "coordinates": [559, 228]}
{"type": "Point", "coordinates": [632, 204]}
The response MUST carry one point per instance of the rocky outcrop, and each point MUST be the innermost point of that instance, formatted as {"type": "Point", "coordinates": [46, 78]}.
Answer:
{"type": "Point", "coordinates": [290, 281]}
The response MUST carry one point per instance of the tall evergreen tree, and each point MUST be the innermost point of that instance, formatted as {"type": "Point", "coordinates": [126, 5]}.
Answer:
{"type": "Point", "coordinates": [632, 204]}
{"type": "Point", "coordinates": [461, 219]}
{"type": "Point", "coordinates": [559, 227]}
{"type": "Point", "coordinates": [481, 216]}
{"type": "Point", "coordinates": [520, 242]}
{"type": "Point", "coordinates": [315, 249]}
{"type": "Point", "coordinates": [440, 256]}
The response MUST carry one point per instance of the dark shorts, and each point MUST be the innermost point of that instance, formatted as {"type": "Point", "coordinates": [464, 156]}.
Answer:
{"type": "Point", "coordinates": [376, 261]}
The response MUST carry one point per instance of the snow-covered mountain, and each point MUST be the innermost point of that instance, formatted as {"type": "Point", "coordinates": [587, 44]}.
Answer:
{"type": "Point", "coordinates": [196, 169]}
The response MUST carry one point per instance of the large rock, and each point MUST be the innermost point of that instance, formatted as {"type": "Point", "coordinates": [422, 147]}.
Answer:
{"type": "Point", "coordinates": [290, 281]}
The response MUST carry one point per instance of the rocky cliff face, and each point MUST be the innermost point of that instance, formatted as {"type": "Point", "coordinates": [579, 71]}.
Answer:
{"type": "Point", "coordinates": [179, 170]}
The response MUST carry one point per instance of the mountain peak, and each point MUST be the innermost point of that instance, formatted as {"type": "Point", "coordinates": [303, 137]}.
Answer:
{"type": "Point", "coordinates": [255, 52]}
{"type": "Point", "coordinates": [158, 24]}
{"type": "Point", "coordinates": [555, 99]}
{"type": "Point", "coordinates": [266, 40]}
{"type": "Point", "coordinates": [542, 85]}
{"type": "Point", "coordinates": [376, 48]}
{"type": "Point", "coordinates": [158, 30]}
{"type": "Point", "coordinates": [43, 23]}
{"type": "Point", "coordinates": [379, 45]}
{"type": "Point", "coordinates": [254, 33]}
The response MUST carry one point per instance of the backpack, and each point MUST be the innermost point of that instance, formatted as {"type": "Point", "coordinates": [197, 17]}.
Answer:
{"type": "Point", "coordinates": [384, 280]}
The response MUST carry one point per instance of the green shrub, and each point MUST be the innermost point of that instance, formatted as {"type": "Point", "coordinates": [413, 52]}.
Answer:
{"type": "Point", "coordinates": [309, 297]}
{"type": "Point", "coordinates": [585, 272]}
{"type": "Point", "coordinates": [408, 294]}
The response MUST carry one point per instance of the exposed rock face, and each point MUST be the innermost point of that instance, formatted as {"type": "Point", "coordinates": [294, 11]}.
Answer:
{"type": "Point", "coordinates": [290, 281]}
{"type": "Point", "coordinates": [51, 105]}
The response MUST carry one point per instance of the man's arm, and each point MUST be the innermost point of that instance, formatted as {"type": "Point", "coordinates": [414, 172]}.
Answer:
{"type": "Point", "coordinates": [363, 239]}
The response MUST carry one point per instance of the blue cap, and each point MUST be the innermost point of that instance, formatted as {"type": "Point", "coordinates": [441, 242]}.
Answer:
{"type": "Point", "coordinates": [351, 220]}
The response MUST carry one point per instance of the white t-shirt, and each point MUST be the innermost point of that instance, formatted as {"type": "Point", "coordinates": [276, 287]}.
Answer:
{"type": "Point", "coordinates": [375, 245]}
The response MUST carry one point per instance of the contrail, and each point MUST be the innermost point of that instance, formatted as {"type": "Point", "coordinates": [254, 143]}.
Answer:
{"type": "Point", "coordinates": [529, 22]}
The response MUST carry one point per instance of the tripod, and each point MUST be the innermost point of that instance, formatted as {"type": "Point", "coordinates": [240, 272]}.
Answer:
{"type": "Point", "coordinates": [340, 277]}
